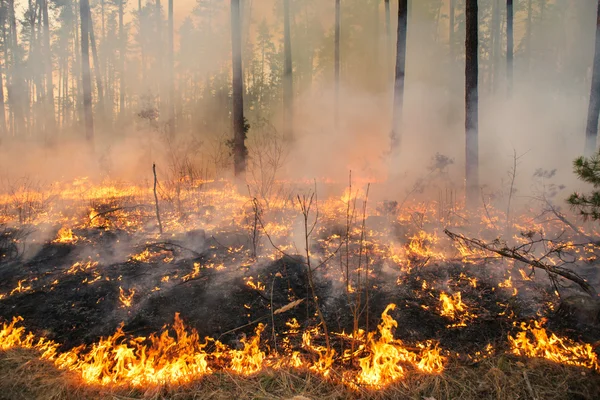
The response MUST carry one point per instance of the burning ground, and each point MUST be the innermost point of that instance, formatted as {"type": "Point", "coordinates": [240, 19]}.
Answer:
{"type": "Point", "coordinates": [292, 294]}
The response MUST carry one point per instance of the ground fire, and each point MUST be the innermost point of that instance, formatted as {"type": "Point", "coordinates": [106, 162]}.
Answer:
{"type": "Point", "coordinates": [299, 199]}
{"type": "Point", "coordinates": [377, 295]}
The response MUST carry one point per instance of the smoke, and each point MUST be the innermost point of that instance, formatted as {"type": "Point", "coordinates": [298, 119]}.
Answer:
{"type": "Point", "coordinates": [541, 121]}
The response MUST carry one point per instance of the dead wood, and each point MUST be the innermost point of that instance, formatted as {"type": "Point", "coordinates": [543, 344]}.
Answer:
{"type": "Point", "coordinates": [517, 254]}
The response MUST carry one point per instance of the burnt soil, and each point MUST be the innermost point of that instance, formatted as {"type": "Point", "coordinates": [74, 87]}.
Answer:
{"type": "Point", "coordinates": [218, 302]}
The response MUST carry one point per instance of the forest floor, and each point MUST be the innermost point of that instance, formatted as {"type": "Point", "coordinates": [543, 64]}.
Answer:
{"type": "Point", "coordinates": [78, 286]}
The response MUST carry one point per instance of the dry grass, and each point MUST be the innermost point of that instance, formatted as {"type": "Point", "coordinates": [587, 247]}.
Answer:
{"type": "Point", "coordinates": [24, 376]}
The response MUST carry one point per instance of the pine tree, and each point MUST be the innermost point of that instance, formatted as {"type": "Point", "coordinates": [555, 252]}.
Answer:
{"type": "Point", "coordinates": [588, 170]}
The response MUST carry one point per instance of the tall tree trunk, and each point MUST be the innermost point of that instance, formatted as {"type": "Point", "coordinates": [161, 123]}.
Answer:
{"type": "Point", "coordinates": [388, 36]}
{"type": "Point", "coordinates": [495, 58]}
{"type": "Point", "coordinates": [528, 32]}
{"type": "Point", "coordinates": [451, 27]}
{"type": "Point", "coordinates": [591, 131]}
{"type": "Point", "coordinates": [509, 44]}
{"type": "Point", "coordinates": [288, 85]}
{"type": "Point", "coordinates": [84, 12]}
{"type": "Point", "coordinates": [239, 131]}
{"type": "Point", "coordinates": [17, 88]}
{"type": "Point", "coordinates": [49, 83]}
{"type": "Point", "coordinates": [472, 103]}
{"type": "Point", "coordinates": [122, 50]}
{"type": "Point", "coordinates": [336, 73]}
{"type": "Point", "coordinates": [159, 55]}
{"type": "Point", "coordinates": [141, 41]}
{"type": "Point", "coordinates": [171, 73]}
{"type": "Point", "coordinates": [97, 67]}
{"type": "Point", "coordinates": [400, 74]}
{"type": "Point", "coordinates": [2, 108]}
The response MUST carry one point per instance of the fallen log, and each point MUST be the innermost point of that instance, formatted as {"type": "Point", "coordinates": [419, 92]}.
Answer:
{"type": "Point", "coordinates": [515, 254]}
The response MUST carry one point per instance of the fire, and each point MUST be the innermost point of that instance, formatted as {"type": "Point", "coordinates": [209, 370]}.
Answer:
{"type": "Point", "coordinates": [20, 288]}
{"type": "Point", "coordinates": [126, 298]}
{"type": "Point", "coordinates": [250, 359]}
{"type": "Point", "coordinates": [255, 285]}
{"type": "Point", "coordinates": [534, 341]}
{"type": "Point", "coordinates": [384, 363]}
{"type": "Point", "coordinates": [454, 308]}
{"type": "Point", "coordinates": [65, 235]}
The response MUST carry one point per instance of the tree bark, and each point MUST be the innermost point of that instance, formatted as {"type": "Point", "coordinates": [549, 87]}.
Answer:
{"type": "Point", "coordinates": [472, 103]}
{"type": "Point", "coordinates": [509, 44]}
{"type": "Point", "coordinates": [288, 86]}
{"type": "Point", "coordinates": [159, 55]}
{"type": "Point", "coordinates": [239, 134]}
{"type": "Point", "coordinates": [122, 50]}
{"type": "Point", "coordinates": [400, 74]}
{"type": "Point", "coordinates": [591, 131]}
{"type": "Point", "coordinates": [97, 67]}
{"type": "Point", "coordinates": [336, 73]}
{"type": "Point", "coordinates": [84, 12]}
{"type": "Point", "coordinates": [49, 83]}
{"type": "Point", "coordinates": [171, 73]}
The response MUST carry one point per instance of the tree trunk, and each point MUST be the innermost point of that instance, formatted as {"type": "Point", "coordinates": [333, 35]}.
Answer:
{"type": "Point", "coordinates": [49, 84]}
{"type": "Point", "coordinates": [472, 103]}
{"type": "Point", "coordinates": [509, 44]}
{"type": "Point", "coordinates": [591, 131]}
{"type": "Point", "coordinates": [338, 28]}
{"type": "Point", "coordinates": [239, 134]}
{"type": "Point", "coordinates": [171, 73]}
{"type": "Point", "coordinates": [451, 28]}
{"type": "Point", "coordinates": [288, 86]}
{"type": "Point", "coordinates": [400, 74]}
{"type": "Point", "coordinates": [97, 67]}
{"type": "Point", "coordinates": [141, 41]}
{"type": "Point", "coordinates": [528, 33]}
{"type": "Point", "coordinates": [84, 12]}
{"type": "Point", "coordinates": [122, 49]}
{"type": "Point", "coordinates": [496, 47]}
{"type": "Point", "coordinates": [159, 55]}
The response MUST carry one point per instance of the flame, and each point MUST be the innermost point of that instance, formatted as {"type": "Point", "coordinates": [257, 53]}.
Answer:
{"type": "Point", "coordinates": [454, 308]}
{"type": "Point", "coordinates": [126, 299]}
{"type": "Point", "coordinates": [534, 341]}
{"type": "Point", "coordinates": [250, 359]}
{"type": "Point", "coordinates": [65, 235]}
{"type": "Point", "coordinates": [384, 363]}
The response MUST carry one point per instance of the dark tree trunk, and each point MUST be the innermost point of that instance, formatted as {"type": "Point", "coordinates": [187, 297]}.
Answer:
{"type": "Point", "coordinates": [472, 103]}
{"type": "Point", "coordinates": [509, 44]}
{"type": "Point", "coordinates": [84, 12]}
{"type": "Point", "coordinates": [122, 50]}
{"type": "Point", "coordinates": [288, 86]}
{"type": "Point", "coordinates": [239, 134]}
{"type": "Point", "coordinates": [400, 74]}
{"type": "Point", "coordinates": [591, 131]}
{"type": "Point", "coordinates": [451, 28]}
{"type": "Point", "coordinates": [49, 84]}
{"type": "Point", "coordinates": [171, 73]}
{"type": "Point", "coordinates": [336, 73]}
{"type": "Point", "coordinates": [97, 67]}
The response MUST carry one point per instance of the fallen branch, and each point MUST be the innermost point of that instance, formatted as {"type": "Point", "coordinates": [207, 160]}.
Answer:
{"type": "Point", "coordinates": [514, 254]}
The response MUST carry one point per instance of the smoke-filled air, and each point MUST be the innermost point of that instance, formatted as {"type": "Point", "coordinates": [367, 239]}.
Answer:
{"type": "Point", "coordinates": [299, 199]}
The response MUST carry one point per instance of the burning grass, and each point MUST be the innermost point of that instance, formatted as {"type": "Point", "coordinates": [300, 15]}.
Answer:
{"type": "Point", "coordinates": [499, 377]}
{"type": "Point", "coordinates": [381, 299]}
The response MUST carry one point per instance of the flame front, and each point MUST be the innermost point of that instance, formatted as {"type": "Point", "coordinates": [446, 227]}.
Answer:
{"type": "Point", "coordinates": [534, 341]}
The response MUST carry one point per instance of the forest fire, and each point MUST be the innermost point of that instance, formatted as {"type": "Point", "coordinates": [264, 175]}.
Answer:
{"type": "Point", "coordinates": [356, 257]}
